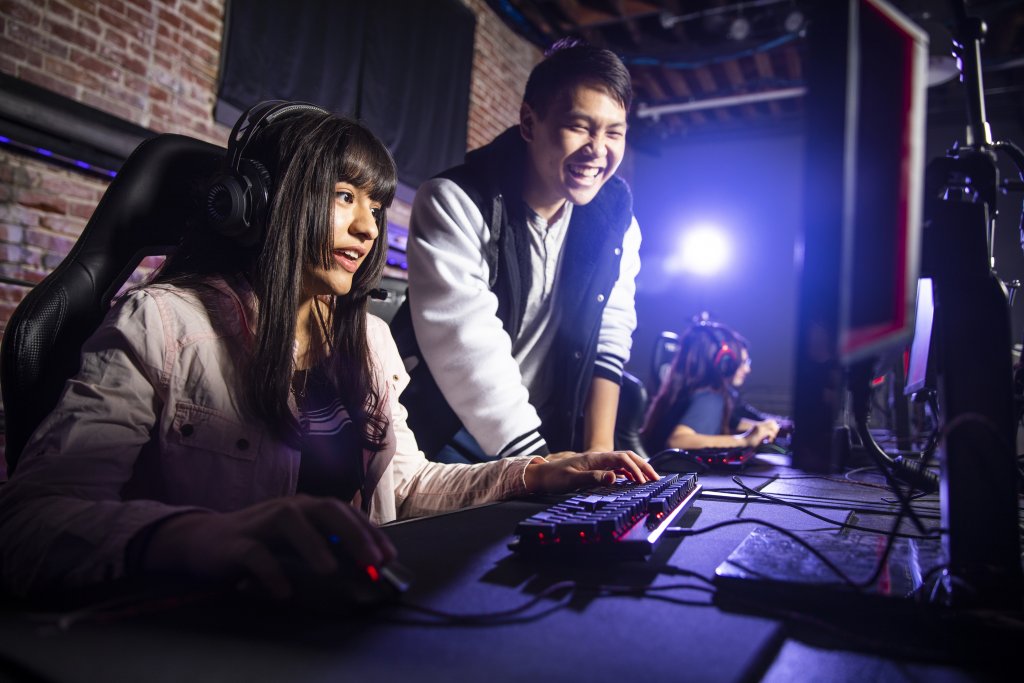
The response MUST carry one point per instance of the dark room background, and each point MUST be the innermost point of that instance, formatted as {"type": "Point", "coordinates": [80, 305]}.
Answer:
{"type": "Point", "coordinates": [748, 185]}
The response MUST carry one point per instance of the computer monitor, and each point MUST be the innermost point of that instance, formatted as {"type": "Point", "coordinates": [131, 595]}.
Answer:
{"type": "Point", "coordinates": [921, 364]}
{"type": "Point", "coordinates": [866, 71]}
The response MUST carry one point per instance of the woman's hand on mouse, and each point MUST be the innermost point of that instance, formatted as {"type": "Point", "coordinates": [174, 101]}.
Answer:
{"type": "Point", "coordinates": [566, 471]}
{"type": "Point", "coordinates": [245, 543]}
{"type": "Point", "coordinates": [760, 432]}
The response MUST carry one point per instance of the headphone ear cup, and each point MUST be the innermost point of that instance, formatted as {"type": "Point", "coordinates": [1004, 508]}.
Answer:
{"type": "Point", "coordinates": [728, 363]}
{"type": "Point", "coordinates": [726, 360]}
{"type": "Point", "coordinates": [237, 203]}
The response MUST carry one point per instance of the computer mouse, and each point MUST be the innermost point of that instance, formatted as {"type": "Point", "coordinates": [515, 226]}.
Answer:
{"type": "Point", "coordinates": [673, 460]}
{"type": "Point", "coordinates": [676, 461]}
{"type": "Point", "coordinates": [350, 588]}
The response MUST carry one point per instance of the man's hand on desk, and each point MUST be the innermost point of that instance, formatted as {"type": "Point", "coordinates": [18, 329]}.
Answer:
{"type": "Point", "coordinates": [565, 471]}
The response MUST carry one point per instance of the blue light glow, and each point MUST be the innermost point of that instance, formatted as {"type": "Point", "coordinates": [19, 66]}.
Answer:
{"type": "Point", "coordinates": [703, 250]}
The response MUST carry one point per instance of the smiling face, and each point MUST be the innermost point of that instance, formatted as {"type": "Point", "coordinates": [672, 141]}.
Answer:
{"type": "Point", "coordinates": [355, 228]}
{"type": "Point", "coordinates": [573, 148]}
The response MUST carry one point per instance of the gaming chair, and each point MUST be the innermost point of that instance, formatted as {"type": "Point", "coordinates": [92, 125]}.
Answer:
{"type": "Point", "coordinates": [142, 213]}
{"type": "Point", "coordinates": [630, 417]}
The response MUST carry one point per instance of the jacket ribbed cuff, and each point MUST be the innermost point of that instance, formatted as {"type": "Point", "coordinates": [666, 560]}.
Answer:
{"type": "Point", "coordinates": [530, 443]}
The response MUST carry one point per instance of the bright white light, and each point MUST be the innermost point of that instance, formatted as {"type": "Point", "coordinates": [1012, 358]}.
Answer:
{"type": "Point", "coordinates": [703, 250]}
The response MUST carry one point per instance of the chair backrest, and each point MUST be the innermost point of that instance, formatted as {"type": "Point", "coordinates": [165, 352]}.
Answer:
{"type": "Point", "coordinates": [142, 213]}
{"type": "Point", "coordinates": [630, 416]}
{"type": "Point", "coordinates": [665, 349]}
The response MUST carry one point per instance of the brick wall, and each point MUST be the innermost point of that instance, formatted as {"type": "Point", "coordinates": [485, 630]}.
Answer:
{"type": "Point", "coordinates": [154, 63]}
{"type": "Point", "coordinates": [501, 64]}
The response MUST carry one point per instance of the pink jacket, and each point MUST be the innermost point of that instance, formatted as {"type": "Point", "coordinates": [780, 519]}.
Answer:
{"type": "Point", "coordinates": [152, 425]}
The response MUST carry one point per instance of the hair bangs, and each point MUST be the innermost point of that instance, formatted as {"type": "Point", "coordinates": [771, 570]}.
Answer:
{"type": "Point", "coordinates": [366, 163]}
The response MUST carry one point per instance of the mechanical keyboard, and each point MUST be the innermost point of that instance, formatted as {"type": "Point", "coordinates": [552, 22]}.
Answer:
{"type": "Point", "coordinates": [624, 521]}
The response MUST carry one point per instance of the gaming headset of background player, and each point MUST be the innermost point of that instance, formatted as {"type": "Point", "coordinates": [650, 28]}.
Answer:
{"type": "Point", "coordinates": [238, 200]}
{"type": "Point", "coordinates": [725, 352]}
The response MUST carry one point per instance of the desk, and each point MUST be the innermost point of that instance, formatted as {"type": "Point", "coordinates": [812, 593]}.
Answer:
{"type": "Point", "coordinates": [463, 565]}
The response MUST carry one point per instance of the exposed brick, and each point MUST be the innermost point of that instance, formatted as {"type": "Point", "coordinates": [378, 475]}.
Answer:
{"type": "Point", "coordinates": [200, 19]}
{"type": "Point", "coordinates": [145, 6]}
{"type": "Point", "coordinates": [11, 253]}
{"type": "Point", "coordinates": [71, 35]}
{"type": "Point", "coordinates": [20, 12]}
{"type": "Point", "coordinates": [35, 39]}
{"type": "Point", "coordinates": [11, 233]}
{"type": "Point", "coordinates": [44, 201]}
{"type": "Point", "coordinates": [89, 24]}
{"type": "Point", "coordinates": [70, 73]}
{"type": "Point", "coordinates": [120, 22]}
{"type": "Point", "coordinates": [81, 210]}
{"type": "Point", "coordinates": [76, 186]}
{"type": "Point", "coordinates": [18, 215]}
{"type": "Point", "coordinates": [46, 81]}
{"type": "Point", "coordinates": [115, 40]}
{"type": "Point", "coordinates": [100, 68]}
{"type": "Point", "coordinates": [63, 224]}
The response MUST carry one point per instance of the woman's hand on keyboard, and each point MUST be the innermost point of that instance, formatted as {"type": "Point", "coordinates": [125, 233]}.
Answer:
{"type": "Point", "coordinates": [565, 471]}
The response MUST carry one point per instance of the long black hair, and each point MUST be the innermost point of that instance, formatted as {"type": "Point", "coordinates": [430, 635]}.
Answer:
{"type": "Point", "coordinates": [697, 365]}
{"type": "Point", "coordinates": [306, 153]}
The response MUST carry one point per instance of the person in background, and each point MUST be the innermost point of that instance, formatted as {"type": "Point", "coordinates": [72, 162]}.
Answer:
{"type": "Point", "coordinates": [694, 407]}
{"type": "Point", "coordinates": [522, 264]}
{"type": "Point", "coordinates": [744, 415]}
{"type": "Point", "coordinates": [241, 409]}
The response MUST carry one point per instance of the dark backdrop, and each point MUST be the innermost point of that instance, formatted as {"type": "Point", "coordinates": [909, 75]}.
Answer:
{"type": "Point", "coordinates": [401, 66]}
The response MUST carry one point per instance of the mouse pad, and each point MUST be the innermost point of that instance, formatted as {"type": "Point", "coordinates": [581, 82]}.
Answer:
{"type": "Point", "coordinates": [770, 562]}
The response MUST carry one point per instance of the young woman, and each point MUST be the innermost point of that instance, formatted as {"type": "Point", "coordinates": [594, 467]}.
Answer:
{"type": "Point", "coordinates": [243, 406]}
{"type": "Point", "coordinates": [694, 407]}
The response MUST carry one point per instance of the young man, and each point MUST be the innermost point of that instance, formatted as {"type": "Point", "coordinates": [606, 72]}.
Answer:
{"type": "Point", "coordinates": [521, 275]}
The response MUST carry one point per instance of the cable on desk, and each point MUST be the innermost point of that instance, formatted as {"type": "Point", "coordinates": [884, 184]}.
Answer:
{"type": "Point", "coordinates": [516, 614]}
{"type": "Point", "coordinates": [928, 535]}
{"type": "Point", "coordinates": [676, 531]}
{"type": "Point", "coordinates": [827, 502]}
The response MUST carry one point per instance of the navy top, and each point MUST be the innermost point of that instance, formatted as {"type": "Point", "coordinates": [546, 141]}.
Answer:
{"type": "Point", "coordinates": [332, 453]}
{"type": "Point", "coordinates": [704, 414]}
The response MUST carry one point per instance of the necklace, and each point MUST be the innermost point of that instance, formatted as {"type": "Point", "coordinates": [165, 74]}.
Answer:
{"type": "Point", "coordinates": [300, 380]}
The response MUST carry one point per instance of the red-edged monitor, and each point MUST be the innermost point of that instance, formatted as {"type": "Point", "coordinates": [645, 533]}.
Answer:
{"type": "Point", "coordinates": [866, 72]}
{"type": "Point", "coordinates": [921, 364]}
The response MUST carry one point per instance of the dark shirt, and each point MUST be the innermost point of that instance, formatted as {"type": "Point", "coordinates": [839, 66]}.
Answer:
{"type": "Point", "coordinates": [332, 453]}
{"type": "Point", "coordinates": [704, 414]}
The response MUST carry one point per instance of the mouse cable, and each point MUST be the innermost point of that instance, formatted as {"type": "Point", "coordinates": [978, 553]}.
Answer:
{"type": "Point", "coordinates": [517, 614]}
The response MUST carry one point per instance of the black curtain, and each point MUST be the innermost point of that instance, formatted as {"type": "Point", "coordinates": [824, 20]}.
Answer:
{"type": "Point", "coordinates": [401, 66]}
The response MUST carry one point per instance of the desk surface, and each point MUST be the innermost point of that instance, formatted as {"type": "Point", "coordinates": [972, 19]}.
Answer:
{"type": "Point", "coordinates": [463, 566]}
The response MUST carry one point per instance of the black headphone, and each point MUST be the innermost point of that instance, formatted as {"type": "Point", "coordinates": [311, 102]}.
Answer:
{"type": "Point", "coordinates": [726, 359]}
{"type": "Point", "coordinates": [238, 201]}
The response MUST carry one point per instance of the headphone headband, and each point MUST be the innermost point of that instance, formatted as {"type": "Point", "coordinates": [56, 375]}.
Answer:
{"type": "Point", "coordinates": [255, 119]}
{"type": "Point", "coordinates": [238, 202]}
